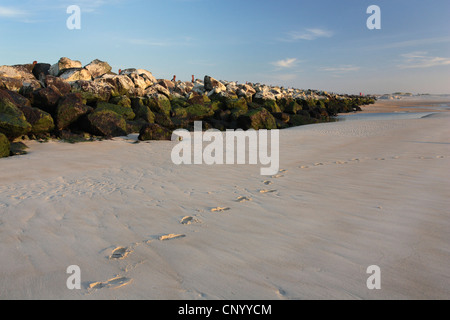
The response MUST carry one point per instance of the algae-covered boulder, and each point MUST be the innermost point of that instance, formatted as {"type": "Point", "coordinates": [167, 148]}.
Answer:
{"type": "Point", "coordinates": [154, 131]}
{"type": "Point", "coordinates": [293, 107]}
{"type": "Point", "coordinates": [142, 111]}
{"type": "Point", "coordinates": [13, 123]}
{"type": "Point", "coordinates": [70, 109]}
{"type": "Point", "coordinates": [107, 123]}
{"type": "Point", "coordinates": [4, 146]}
{"type": "Point", "coordinates": [41, 122]}
{"type": "Point", "coordinates": [126, 112]}
{"type": "Point", "coordinates": [257, 119]}
{"type": "Point", "coordinates": [158, 103]}
{"type": "Point", "coordinates": [199, 112]}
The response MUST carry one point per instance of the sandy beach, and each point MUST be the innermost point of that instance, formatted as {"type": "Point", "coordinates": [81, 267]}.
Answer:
{"type": "Point", "coordinates": [350, 194]}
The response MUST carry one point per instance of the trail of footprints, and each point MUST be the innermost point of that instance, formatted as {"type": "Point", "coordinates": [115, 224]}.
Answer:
{"type": "Point", "coordinates": [121, 253]}
{"type": "Point", "coordinates": [357, 160]}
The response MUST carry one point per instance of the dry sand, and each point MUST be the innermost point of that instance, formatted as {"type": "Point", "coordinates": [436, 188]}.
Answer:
{"type": "Point", "coordinates": [349, 195]}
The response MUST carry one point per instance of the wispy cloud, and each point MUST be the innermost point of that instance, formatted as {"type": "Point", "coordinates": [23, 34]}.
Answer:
{"type": "Point", "coordinates": [9, 12]}
{"type": "Point", "coordinates": [341, 69]}
{"type": "Point", "coordinates": [421, 59]}
{"type": "Point", "coordinates": [286, 63]}
{"type": "Point", "coordinates": [308, 34]}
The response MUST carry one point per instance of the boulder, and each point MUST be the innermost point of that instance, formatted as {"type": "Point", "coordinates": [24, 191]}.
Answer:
{"type": "Point", "coordinates": [41, 70]}
{"type": "Point", "coordinates": [46, 99]}
{"type": "Point", "coordinates": [41, 122]}
{"type": "Point", "coordinates": [94, 91]}
{"type": "Point", "coordinates": [211, 83]}
{"type": "Point", "coordinates": [123, 85]}
{"type": "Point", "coordinates": [4, 146]}
{"type": "Point", "coordinates": [62, 65]}
{"type": "Point", "coordinates": [142, 111]}
{"type": "Point", "coordinates": [154, 131]}
{"type": "Point", "coordinates": [158, 103]}
{"type": "Point", "coordinates": [57, 84]}
{"type": "Point", "coordinates": [107, 123]}
{"type": "Point", "coordinates": [126, 112]}
{"type": "Point", "coordinates": [98, 68]}
{"type": "Point", "coordinates": [75, 74]}
{"type": "Point", "coordinates": [14, 78]}
{"type": "Point", "coordinates": [257, 119]}
{"type": "Point", "coordinates": [71, 108]}
{"type": "Point", "coordinates": [13, 123]}
{"type": "Point", "coordinates": [123, 101]}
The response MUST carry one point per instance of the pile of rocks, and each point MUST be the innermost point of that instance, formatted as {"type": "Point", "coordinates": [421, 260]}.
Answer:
{"type": "Point", "coordinates": [72, 102]}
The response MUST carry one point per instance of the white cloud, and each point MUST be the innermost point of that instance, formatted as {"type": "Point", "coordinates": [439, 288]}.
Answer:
{"type": "Point", "coordinates": [341, 69]}
{"type": "Point", "coordinates": [309, 34]}
{"type": "Point", "coordinates": [287, 63]}
{"type": "Point", "coordinates": [6, 12]}
{"type": "Point", "coordinates": [421, 59]}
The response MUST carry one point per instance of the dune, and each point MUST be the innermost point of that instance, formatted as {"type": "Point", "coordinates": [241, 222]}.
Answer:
{"type": "Point", "coordinates": [349, 195]}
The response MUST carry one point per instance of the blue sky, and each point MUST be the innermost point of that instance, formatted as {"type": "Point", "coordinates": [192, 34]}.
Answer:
{"type": "Point", "coordinates": [322, 44]}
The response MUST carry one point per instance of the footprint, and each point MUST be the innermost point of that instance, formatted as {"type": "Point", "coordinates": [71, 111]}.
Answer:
{"type": "Point", "coordinates": [268, 182]}
{"type": "Point", "coordinates": [304, 167]}
{"type": "Point", "coordinates": [114, 283]}
{"type": "Point", "coordinates": [396, 157]}
{"type": "Point", "coordinates": [267, 191]}
{"type": "Point", "coordinates": [283, 171]}
{"type": "Point", "coordinates": [243, 199]}
{"type": "Point", "coordinates": [440, 157]}
{"type": "Point", "coordinates": [381, 159]}
{"type": "Point", "coordinates": [189, 220]}
{"type": "Point", "coordinates": [341, 162]}
{"type": "Point", "coordinates": [119, 253]}
{"type": "Point", "coordinates": [220, 209]}
{"type": "Point", "coordinates": [277, 176]}
{"type": "Point", "coordinates": [171, 237]}
{"type": "Point", "coordinates": [318, 164]}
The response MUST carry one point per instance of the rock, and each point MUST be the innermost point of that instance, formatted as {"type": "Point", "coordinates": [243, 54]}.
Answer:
{"type": "Point", "coordinates": [94, 91]}
{"type": "Point", "coordinates": [75, 74]}
{"type": "Point", "coordinates": [154, 131]}
{"type": "Point", "coordinates": [162, 90]}
{"type": "Point", "coordinates": [14, 78]}
{"type": "Point", "coordinates": [126, 112]}
{"type": "Point", "coordinates": [107, 123]}
{"type": "Point", "coordinates": [198, 88]}
{"type": "Point", "coordinates": [199, 112]}
{"type": "Point", "coordinates": [4, 146]}
{"type": "Point", "coordinates": [257, 119]}
{"type": "Point", "coordinates": [62, 65]}
{"type": "Point", "coordinates": [71, 108]}
{"type": "Point", "coordinates": [57, 84]}
{"type": "Point", "coordinates": [271, 106]}
{"type": "Point", "coordinates": [246, 91]}
{"type": "Point", "coordinates": [98, 68]}
{"type": "Point", "coordinates": [293, 107]}
{"type": "Point", "coordinates": [41, 70]}
{"type": "Point", "coordinates": [211, 83]}
{"type": "Point", "coordinates": [158, 103]}
{"type": "Point", "coordinates": [123, 85]}
{"type": "Point", "coordinates": [300, 120]}
{"type": "Point", "coordinates": [41, 122]}
{"type": "Point", "coordinates": [46, 99]}
{"type": "Point", "coordinates": [13, 123]}
{"type": "Point", "coordinates": [142, 111]}
{"type": "Point", "coordinates": [167, 84]}
{"type": "Point", "coordinates": [123, 101]}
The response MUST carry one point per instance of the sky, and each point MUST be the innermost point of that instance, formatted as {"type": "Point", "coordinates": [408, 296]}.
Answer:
{"type": "Point", "coordinates": [321, 44]}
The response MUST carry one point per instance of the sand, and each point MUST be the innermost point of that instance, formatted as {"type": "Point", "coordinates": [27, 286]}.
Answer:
{"type": "Point", "coordinates": [349, 195]}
